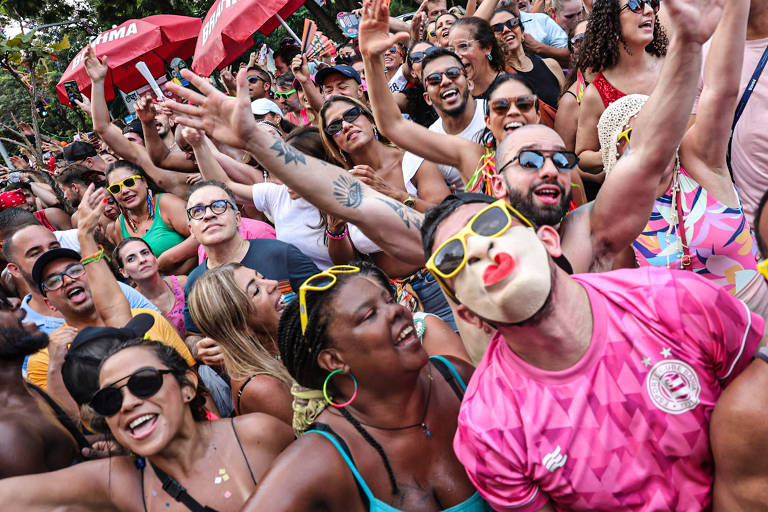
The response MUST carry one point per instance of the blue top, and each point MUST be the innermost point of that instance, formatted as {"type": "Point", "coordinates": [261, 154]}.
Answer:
{"type": "Point", "coordinates": [544, 29]}
{"type": "Point", "coordinates": [474, 503]}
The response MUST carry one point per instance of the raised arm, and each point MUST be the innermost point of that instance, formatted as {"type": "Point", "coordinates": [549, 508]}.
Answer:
{"type": "Point", "coordinates": [161, 155]}
{"type": "Point", "coordinates": [485, 11]}
{"type": "Point", "coordinates": [391, 225]}
{"type": "Point", "coordinates": [440, 148]}
{"type": "Point", "coordinates": [708, 137]}
{"type": "Point", "coordinates": [210, 168]}
{"type": "Point", "coordinates": [111, 304]}
{"type": "Point", "coordinates": [632, 185]}
{"type": "Point", "coordinates": [300, 69]}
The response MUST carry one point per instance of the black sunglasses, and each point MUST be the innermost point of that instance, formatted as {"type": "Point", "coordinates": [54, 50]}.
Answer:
{"type": "Point", "coordinates": [218, 207]}
{"type": "Point", "coordinates": [419, 56]}
{"type": "Point", "coordinates": [638, 6]}
{"type": "Point", "coordinates": [143, 383]}
{"type": "Point", "coordinates": [435, 78]}
{"type": "Point", "coordinates": [337, 125]}
{"type": "Point", "coordinates": [533, 159]}
{"type": "Point", "coordinates": [510, 24]}
{"type": "Point", "coordinates": [255, 78]}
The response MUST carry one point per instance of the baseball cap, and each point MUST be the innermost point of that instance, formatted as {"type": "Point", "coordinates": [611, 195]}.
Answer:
{"type": "Point", "coordinates": [78, 150]}
{"type": "Point", "coordinates": [263, 106]}
{"type": "Point", "coordinates": [80, 370]}
{"type": "Point", "coordinates": [48, 257]}
{"type": "Point", "coordinates": [343, 69]}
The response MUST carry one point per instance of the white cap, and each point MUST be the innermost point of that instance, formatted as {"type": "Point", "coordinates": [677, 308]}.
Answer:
{"type": "Point", "coordinates": [263, 106]}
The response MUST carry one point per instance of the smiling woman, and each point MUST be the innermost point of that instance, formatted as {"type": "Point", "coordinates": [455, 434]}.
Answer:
{"type": "Point", "coordinates": [153, 408]}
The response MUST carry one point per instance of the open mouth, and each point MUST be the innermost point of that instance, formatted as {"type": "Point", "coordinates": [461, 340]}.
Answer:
{"type": "Point", "coordinates": [77, 294]}
{"type": "Point", "coordinates": [444, 33]}
{"type": "Point", "coordinates": [512, 126]}
{"type": "Point", "coordinates": [142, 426]}
{"type": "Point", "coordinates": [280, 304]}
{"type": "Point", "coordinates": [510, 38]}
{"type": "Point", "coordinates": [406, 336]}
{"type": "Point", "coordinates": [450, 95]}
{"type": "Point", "coordinates": [548, 194]}
{"type": "Point", "coordinates": [647, 24]}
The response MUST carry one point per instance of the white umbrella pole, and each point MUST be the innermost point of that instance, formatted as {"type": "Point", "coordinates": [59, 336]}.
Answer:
{"type": "Point", "coordinates": [291, 32]}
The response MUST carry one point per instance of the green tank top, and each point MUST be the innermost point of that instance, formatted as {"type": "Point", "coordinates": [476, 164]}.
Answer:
{"type": "Point", "coordinates": [160, 237]}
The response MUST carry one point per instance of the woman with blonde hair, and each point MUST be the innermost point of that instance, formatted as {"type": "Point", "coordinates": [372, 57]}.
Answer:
{"type": "Point", "coordinates": [240, 309]}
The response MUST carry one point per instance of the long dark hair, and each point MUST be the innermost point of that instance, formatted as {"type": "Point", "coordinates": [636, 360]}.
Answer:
{"type": "Point", "coordinates": [600, 48]}
{"type": "Point", "coordinates": [486, 136]}
{"type": "Point", "coordinates": [482, 33]}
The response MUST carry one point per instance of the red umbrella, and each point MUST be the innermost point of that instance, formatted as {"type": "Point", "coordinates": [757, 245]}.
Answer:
{"type": "Point", "coordinates": [155, 40]}
{"type": "Point", "coordinates": [228, 26]}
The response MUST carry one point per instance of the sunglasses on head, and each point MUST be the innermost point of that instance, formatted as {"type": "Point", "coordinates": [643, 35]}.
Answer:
{"type": "Point", "coordinates": [318, 283]}
{"type": "Point", "coordinates": [435, 78]}
{"type": "Point", "coordinates": [218, 207]}
{"type": "Point", "coordinates": [501, 106]}
{"type": "Point", "coordinates": [337, 125]}
{"type": "Point", "coordinates": [577, 38]}
{"type": "Point", "coordinates": [626, 134]}
{"type": "Point", "coordinates": [534, 159]}
{"type": "Point", "coordinates": [128, 182]}
{"type": "Point", "coordinates": [510, 24]}
{"type": "Point", "coordinates": [55, 281]}
{"type": "Point", "coordinates": [285, 95]}
{"type": "Point", "coordinates": [255, 78]}
{"type": "Point", "coordinates": [638, 6]}
{"type": "Point", "coordinates": [416, 57]}
{"type": "Point", "coordinates": [143, 383]}
{"type": "Point", "coordinates": [492, 221]}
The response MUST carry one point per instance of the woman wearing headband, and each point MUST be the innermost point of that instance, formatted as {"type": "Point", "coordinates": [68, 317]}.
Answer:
{"type": "Point", "coordinates": [152, 405]}
{"type": "Point", "coordinates": [385, 441]}
{"type": "Point", "coordinates": [625, 44]}
{"type": "Point", "coordinates": [697, 222]}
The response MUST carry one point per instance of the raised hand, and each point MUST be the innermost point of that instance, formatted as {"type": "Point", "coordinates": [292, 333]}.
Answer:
{"type": "Point", "coordinates": [228, 79]}
{"type": "Point", "coordinates": [96, 69]}
{"type": "Point", "coordinates": [144, 110]}
{"type": "Point", "coordinates": [367, 175]}
{"type": "Point", "coordinates": [192, 135]}
{"type": "Point", "coordinates": [90, 209]}
{"type": "Point", "coordinates": [84, 105]}
{"type": "Point", "coordinates": [300, 67]}
{"type": "Point", "coordinates": [694, 20]}
{"type": "Point", "coordinates": [373, 31]}
{"type": "Point", "coordinates": [26, 129]}
{"type": "Point", "coordinates": [223, 118]}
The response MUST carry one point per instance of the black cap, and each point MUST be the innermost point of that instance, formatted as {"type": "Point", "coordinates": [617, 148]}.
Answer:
{"type": "Point", "coordinates": [134, 127]}
{"type": "Point", "coordinates": [80, 370]}
{"type": "Point", "coordinates": [48, 257]}
{"type": "Point", "coordinates": [78, 150]}
{"type": "Point", "coordinates": [342, 69]}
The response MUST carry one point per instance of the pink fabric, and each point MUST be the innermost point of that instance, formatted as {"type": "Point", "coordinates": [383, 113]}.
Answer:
{"type": "Point", "coordinates": [626, 428]}
{"type": "Point", "coordinates": [250, 229]}
{"type": "Point", "coordinates": [176, 315]}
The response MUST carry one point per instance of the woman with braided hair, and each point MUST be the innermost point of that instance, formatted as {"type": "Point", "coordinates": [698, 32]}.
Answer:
{"type": "Point", "coordinates": [388, 432]}
{"type": "Point", "coordinates": [625, 45]}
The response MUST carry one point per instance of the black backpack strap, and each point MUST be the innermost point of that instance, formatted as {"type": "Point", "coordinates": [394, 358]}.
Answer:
{"type": "Point", "coordinates": [64, 418]}
{"type": "Point", "coordinates": [450, 374]}
{"type": "Point", "coordinates": [179, 493]}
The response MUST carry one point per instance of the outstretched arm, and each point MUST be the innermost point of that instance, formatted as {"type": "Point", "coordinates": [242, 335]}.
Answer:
{"type": "Point", "coordinates": [445, 149]}
{"type": "Point", "coordinates": [391, 225]}
{"type": "Point", "coordinates": [631, 186]}
{"type": "Point", "coordinates": [708, 138]}
{"type": "Point", "coordinates": [161, 155]}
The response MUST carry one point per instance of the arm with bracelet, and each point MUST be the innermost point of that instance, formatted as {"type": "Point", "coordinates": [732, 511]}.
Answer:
{"type": "Point", "coordinates": [111, 304]}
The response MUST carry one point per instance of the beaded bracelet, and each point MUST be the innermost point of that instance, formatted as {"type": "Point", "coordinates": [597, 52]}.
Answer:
{"type": "Point", "coordinates": [95, 257]}
{"type": "Point", "coordinates": [339, 236]}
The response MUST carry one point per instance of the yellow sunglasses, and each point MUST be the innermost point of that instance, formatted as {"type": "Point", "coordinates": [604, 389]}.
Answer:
{"type": "Point", "coordinates": [318, 283]}
{"type": "Point", "coordinates": [491, 221]}
{"type": "Point", "coordinates": [128, 182]}
{"type": "Point", "coordinates": [626, 134]}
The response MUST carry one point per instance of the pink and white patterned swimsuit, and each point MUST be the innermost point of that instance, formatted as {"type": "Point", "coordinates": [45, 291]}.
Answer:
{"type": "Point", "coordinates": [625, 428]}
{"type": "Point", "coordinates": [720, 242]}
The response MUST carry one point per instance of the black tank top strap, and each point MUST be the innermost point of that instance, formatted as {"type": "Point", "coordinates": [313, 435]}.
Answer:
{"type": "Point", "coordinates": [240, 393]}
{"type": "Point", "coordinates": [64, 418]}
{"type": "Point", "coordinates": [237, 438]}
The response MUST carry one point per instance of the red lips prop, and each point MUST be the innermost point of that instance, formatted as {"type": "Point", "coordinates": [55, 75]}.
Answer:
{"type": "Point", "coordinates": [505, 264]}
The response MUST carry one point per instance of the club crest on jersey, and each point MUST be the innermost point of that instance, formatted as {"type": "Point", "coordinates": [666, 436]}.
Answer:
{"type": "Point", "coordinates": [673, 386]}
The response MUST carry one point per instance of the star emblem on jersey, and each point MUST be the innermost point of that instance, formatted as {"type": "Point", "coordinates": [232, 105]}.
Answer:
{"type": "Point", "coordinates": [666, 352]}
{"type": "Point", "coordinates": [647, 362]}
{"type": "Point", "coordinates": [673, 386]}
{"type": "Point", "coordinates": [554, 460]}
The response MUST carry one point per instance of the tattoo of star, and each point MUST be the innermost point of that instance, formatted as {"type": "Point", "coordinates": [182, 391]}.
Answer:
{"type": "Point", "coordinates": [348, 191]}
{"type": "Point", "coordinates": [288, 153]}
{"type": "Point", "coordinates": [404, 213]}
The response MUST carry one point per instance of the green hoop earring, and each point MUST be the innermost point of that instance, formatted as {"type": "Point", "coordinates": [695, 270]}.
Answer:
{"type": "Point", "coordinates": [325, 390]}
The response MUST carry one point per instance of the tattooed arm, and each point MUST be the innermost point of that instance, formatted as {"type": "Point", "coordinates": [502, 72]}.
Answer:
{"type": "Point", "coordinates": [389, 224]}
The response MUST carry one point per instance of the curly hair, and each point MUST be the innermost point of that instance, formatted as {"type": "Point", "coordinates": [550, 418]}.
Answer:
{"type": "Point", "coordinates": [600, 47]}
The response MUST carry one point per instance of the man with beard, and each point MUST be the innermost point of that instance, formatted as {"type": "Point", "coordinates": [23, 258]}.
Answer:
{"type": "Point", "coordinates": [596, 391]}
{"type": "Point", "coordinates": [35, 433]}
{"type": "Point", "coordinates": [460, 114]}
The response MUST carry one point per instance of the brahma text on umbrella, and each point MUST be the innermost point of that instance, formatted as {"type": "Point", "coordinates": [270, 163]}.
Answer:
{"type": "Point", "coordinates": [108, 36]}
{"type": "Point", "coordinates": [208, 28]}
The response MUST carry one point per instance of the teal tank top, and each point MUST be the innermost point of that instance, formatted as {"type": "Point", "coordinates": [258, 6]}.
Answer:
{"type": "Point", "coordinates": [160, 237]}
{"type": "Point", "coordinates": [474, 503]}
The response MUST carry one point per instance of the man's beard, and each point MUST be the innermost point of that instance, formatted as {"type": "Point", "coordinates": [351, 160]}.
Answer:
{"type": "Point", "coordinates": [459, 109]}
{"type": "Point", "coordinates": [546, 215]}
{"type": "Point", "coordinates": [16, 343]}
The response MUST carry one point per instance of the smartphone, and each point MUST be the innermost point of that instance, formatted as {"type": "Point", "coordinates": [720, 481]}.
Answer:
{"type": "Point", "coordinates": [73, 92]}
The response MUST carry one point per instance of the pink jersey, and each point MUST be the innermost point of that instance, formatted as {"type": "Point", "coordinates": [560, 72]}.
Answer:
{"type": "Point", "coordinates": [626, 428]}
{"type": "Point", "coordinates": [249, 229]}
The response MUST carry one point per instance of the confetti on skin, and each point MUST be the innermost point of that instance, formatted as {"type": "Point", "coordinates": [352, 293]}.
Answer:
{"type": "Point", "coordinates": [227, 494]}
